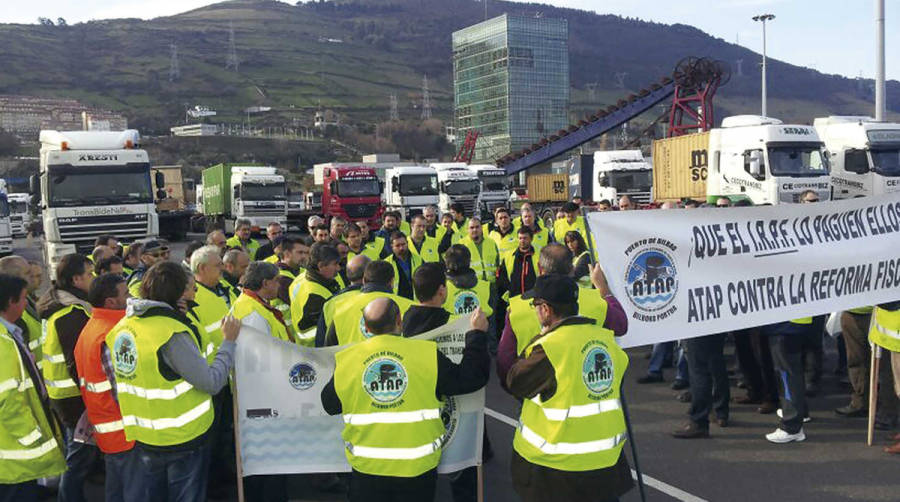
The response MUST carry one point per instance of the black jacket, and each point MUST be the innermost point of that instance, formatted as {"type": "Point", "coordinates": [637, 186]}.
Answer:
{"type": "Point", "coordinates": [523, 273]}
{"type": "Point", "coordinates": [313, 308]}
{"type": "Point", "coordinates": [469, 375]}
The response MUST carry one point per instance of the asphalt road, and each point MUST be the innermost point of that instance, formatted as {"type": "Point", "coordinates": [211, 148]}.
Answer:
{"type": "Point", "coordinates": [736, 464]}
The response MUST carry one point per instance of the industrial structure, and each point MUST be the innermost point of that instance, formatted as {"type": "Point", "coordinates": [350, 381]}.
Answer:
{"type": "Point", "coordinates": [26, 116]}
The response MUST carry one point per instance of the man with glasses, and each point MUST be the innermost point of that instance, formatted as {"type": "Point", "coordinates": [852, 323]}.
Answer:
{"type": "Point", "coordinates": [152, 253]}
{"type": "Point", "coordinates": [273, 230]}
{"type": "Point", "coordinates": [809, 196]}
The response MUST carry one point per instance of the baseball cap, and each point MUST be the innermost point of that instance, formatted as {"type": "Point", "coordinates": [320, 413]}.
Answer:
{"type": "Point", "coordinates": [154, 246]}
{"type": "Point", "coordinates": [554, 288]}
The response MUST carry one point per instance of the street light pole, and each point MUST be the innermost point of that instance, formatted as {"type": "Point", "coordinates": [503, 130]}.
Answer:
{"type": "Point", "coordinates": [763, 18]}
{"type": "Point", "coordinates": [879, 61]}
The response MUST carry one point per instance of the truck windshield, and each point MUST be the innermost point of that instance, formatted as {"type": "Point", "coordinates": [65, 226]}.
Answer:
{"type": "Point", "coordinates": [797, 160]}
{"type": "Point", "coordinates": [627, 180]}
{"type": "Point", "coordinates": [461, 187]}
{"type": "Point", "coordinates": [18, 207]}
{"type": "Point", "coordinates": [365, 187]}
{"type": "Point", "coordinates": [99, 185]}
{"type": "Point", "coordinates": [4, 206]}
{"type": "Point", "coordinates": [493, 182]}
{"type": "Point", "coordinates": [418, 184]}
{"type": "Point", "coordinates": [886, 161]}
{"type": "Point", "coordinates": [258, 191]}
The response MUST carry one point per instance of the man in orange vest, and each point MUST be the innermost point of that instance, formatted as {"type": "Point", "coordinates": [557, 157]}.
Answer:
{"type": "Point", "coordinates": [107, 295]}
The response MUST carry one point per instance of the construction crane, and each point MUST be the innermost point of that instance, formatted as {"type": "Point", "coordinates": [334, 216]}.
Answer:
{"type": "Point", "coordinates": [467, 149]}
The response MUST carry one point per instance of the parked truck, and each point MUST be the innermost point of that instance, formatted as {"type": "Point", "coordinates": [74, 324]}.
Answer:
{"type": "Point", "coordinates": [352, 192]}
{"type": "Point", "coordinates": [864, 155]}
{"type": "Point", "coordinates": [173, 209]}
{"type": "Point", "coordinates": [494, 188]}
{"type": "Point", "coordinates": [752, 157]}
{"type": "Point", "coordinates": [409, 189]}
{"type": "Point", "coordinates": [5, 224]}
{"type": "Point", "coordinates": [457, 184]}
{"type": "Point", "coordinates": [253, 192]}
{"type": "Point", "coordinates": [92, 183]}
{"type": "Point", "coordinates": [19, 213]}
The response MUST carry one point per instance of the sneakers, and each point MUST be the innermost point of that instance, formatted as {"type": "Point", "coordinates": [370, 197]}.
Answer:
{"type": "Point", "coordinates": [780, 436]}
{"type": "Point", "coordinates": [807, 419]}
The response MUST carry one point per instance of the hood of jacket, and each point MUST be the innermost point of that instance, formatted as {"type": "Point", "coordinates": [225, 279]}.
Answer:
{"type": "Point", "coordinates": [137, 307]}
{"type": "Point", "coordinates": [55, 299]}
{"type": "Point", "coordinates": [463, 280]}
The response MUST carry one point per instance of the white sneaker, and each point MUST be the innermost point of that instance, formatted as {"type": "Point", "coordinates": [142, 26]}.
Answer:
{"type": "Point", "coordinates": [806, 420]}
{"type": "Point", "coordinates": [781, 436]}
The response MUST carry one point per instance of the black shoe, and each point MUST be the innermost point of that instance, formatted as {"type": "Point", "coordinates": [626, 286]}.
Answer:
{"type": "Point", "coordinates": [885, 424]}
{"type": "Point", "coordinates": [685, 397]}
{"type": "Point", "coordinates": [680, 384]}
{"type": "Point", "coordinates": [851, 411]}
{"type": "Point", "coordinates": [691, 430]}
{"type": "Point", "coordinates": [650, 378]}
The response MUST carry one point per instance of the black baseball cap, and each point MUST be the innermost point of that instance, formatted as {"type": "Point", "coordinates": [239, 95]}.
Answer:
{"type": "Point", "coordinates": [554, 288]}
{"type": "Point", "coordinates": [153, 247]}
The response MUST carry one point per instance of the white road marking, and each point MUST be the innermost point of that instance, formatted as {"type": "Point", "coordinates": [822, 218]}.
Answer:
{"type": "Point", "coordinates": [674, 492]}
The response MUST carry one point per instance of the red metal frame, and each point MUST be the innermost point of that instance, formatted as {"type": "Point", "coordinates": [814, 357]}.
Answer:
{"type": "Point", "coordinates": [467, 150]}
{"type": "Point", "coordinates": [692, 109]}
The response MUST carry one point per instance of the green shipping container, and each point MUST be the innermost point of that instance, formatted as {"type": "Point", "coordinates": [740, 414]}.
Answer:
{"type": "Point", "coordinates": [216, 192]}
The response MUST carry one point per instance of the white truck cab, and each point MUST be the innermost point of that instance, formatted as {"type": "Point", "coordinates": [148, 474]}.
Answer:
{"type": "Point", "coordinates": [622, 172]}
{"type": "Point", "coordinates": [19, 213]}
{"type": "Point", "coordinates": [5, 224]}
{"type": "Point", "coordinates": [93, 183]}
{"type": "Point", "coordinates": [409, 189]}
{"type": "Point", "coordinates": [864, 154]}
{"type": "Point", "coordinates": [494, 187]}
{"type": "Point", "coordinates": [258, 194]}
{"type": "Point", "coordinates": [769, 162]}
{"type": "Point", "coordinates": [458, 184]}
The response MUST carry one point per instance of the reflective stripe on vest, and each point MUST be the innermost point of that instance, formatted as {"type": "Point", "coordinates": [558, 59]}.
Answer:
{"type": "Point", "coordinates": [885, 329]}
{"type": "Point", "coordinates": [484, 263]}
{"type": "Point", "coordinates": [386, 417]}
{"type": "Point", "coordinates": [579, 411]}
{"type": "Point", "coordinates": [570, 448]}
{"type": "Point", "coordinates": [155, 410]}
{"type": "Point", "coordinates": [395, 453]}
{"type": "Point", "coordinates": [56, 375]}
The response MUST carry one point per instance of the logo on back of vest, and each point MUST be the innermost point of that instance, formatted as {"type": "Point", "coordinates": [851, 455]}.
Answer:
{"type": "Point", "coordinates": [302, 376]}
{"type": "Point", "coordinates": [597, 370]}
{"type": "Point", "coordinates": [125, 353]}
{"type": "Point", "coordinates": [385, 380]}
{"type": "Point", "coordinates": [465, 302]}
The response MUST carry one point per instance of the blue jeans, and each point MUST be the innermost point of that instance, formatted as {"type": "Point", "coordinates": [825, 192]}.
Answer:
{"type": "Point", "coordinates": [80, 459]}
{"type": "Point", "coordinates": [20, 492]}
{"type": "Point", "coordinates": [176, 476]}
{"type": "Point", "coordinates": [116, 471]}
{"type": "Point", "coordinates": [661, 352]}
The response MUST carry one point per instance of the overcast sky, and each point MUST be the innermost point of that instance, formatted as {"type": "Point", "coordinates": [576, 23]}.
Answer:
{"type": "Point", "coordinates": [832, 36]}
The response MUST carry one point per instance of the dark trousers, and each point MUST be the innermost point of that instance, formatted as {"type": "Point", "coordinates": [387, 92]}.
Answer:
{"type": "Point", "coordinates": [19, 492]}
{"type": "Point", "coordinates": [116, 466]}
{"type": "Point", "coordinates": [755, 358]}
{"type": "Point", "coordinates": [813, 350]}
{"type": "Point", "coordinates": [220, 461]}
{"type": "Point", "coordinates": [369, 488]}
{"type": "Point", "coordinates": [80, 458]}
{"type": "Point", "coordinates": [709, 378]}
{"type": "Point", "coordinates": [464, 485]}
{"type": "Point", "coordinates": [272, 488]}
{"type": "Point", "coordinates": [175, 476]}
{"type": "Point", "coordinates": [787, 352]}
{"type": "Point", "coordinates": [855, 332]}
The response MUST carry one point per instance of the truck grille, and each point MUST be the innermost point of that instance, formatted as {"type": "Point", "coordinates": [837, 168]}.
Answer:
{"type": "Point", "coordinates": [82, 230]}
{"type": "Point", "coordinates": [264, 212]}
{"type": "Point", "coordinates": [637, 197]}
{"type": "Point", "coordinates": [469, 205]}
{"type": "Point", "coordinates": [361, 210]}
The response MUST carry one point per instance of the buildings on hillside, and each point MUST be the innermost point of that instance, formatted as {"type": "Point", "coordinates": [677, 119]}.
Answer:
{"type": "Point", "coordinates": [25, 116]}
{"type": "Point", "coordinates": [510, 82]}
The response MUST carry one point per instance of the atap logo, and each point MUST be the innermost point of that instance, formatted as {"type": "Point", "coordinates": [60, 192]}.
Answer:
{"type": "Point", "coordinates": [385, 380]}
{"type": "Point", "coordinates": [597, 370]}
{"type": "Point", "coordinates": [302, 376]}
{"type": "Point", "coordinates": [465, 302]}
{"type": "Point", "coordinates": [450, 418]}
{"type": "Point", "coordinates": [125, 353]}
{"type": "Point", "coordinates": [651, 280]}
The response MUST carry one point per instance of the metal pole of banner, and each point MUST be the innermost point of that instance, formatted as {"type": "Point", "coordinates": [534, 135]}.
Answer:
{"type": "Point", "coordinates": [237, 440]}
{"type": "Point", "coordinates": [480, 472]}
{"type": "Point", "coordinates": [634, 454]}
{"type": "Point", "coordinates": [874, 367]}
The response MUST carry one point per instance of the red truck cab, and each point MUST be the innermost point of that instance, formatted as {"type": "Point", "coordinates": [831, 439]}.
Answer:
{"type": "Point", "coordinates": [353, 193]}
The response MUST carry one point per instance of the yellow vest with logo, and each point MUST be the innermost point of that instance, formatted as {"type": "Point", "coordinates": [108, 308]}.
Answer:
{"type": "Point", "coordinates": [582, 426]}
{"type": "Point", "coordinates": [429, 252]}
{"type": "Point", "coordinates": [30, 443]}
{"type": "Point", "coordinates": [392, 417]}
{"type": "Point", "coordinates": [211, 309]}
{"type": "Point", "coordinates": [484, 263]}
{"type": "Point", "coordinates": [415, 261]}
{"type": "Point", "coordinates": [334, 303]}
{"type": "Point", "coordinates": [348, 316]}
{"type": "Point", "coordinates": [305, 289]}
{"type": "Point", "coordinates": [56, 375]}
{"type": "Point", "coordinates": [245, 305]}
{"type": "Point", "coordinates": [155, 410]}
{"type": "Point", "coordinates": [505, 243]}
{"type": "Point", "coordinates": [464, 300]}
{"type": "Point", "coordinates": [885, 329]}
{"type": "Point", "coordinates": [371, 252]}
{"type": "Point", "coordinates": [525, 324]}
{"type": "Point", "coordinates": [251, 248]}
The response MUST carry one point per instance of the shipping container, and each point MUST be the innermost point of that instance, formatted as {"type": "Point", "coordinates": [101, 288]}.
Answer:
{"type": "Point", "coordinates": [548, 188]}
{"type": "Point", "coordinates": [680, 167]}
{"type": "Point", "coordinates": [216, 191]}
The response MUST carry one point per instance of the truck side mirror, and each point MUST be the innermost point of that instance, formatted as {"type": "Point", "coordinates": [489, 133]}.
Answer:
{"type": "Point", "coordinates": [160, 194]}
{"type": "Point", "coordinates": [34, 185]}
{"type": "Point", "coordinates": [395, 184]}
{"type": "Point", "coordinates": [755, 168]}
{"type": "Point", "coordinates": [160, 179]}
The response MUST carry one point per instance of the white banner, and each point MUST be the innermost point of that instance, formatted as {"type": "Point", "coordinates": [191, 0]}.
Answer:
{"type": "Point", "coordinates": [682, 273]}
{"type": "Point", "coordinates": [284, 428]}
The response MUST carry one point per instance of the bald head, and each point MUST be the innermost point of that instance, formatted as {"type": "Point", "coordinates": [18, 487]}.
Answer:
{"type": "Point", "coordinates": [356, 268]}
{"type": "Point", "coordinates": [382, 317]}
{"type": "Point", "coordinates": [555, 259]}
{"type": "Point", "coordinates": [101, 253]}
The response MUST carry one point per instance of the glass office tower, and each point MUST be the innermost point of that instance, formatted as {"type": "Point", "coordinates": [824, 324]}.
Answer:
{"type": "Point", "coordinates": [510, 82]}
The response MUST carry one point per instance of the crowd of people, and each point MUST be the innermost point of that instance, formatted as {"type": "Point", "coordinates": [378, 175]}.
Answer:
{"type": "Point", "coordinates": [126, 356]}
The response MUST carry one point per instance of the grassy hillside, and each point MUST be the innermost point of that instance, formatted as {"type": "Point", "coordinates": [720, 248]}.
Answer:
{"type": "Point", "coordinates": [386, 46]}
